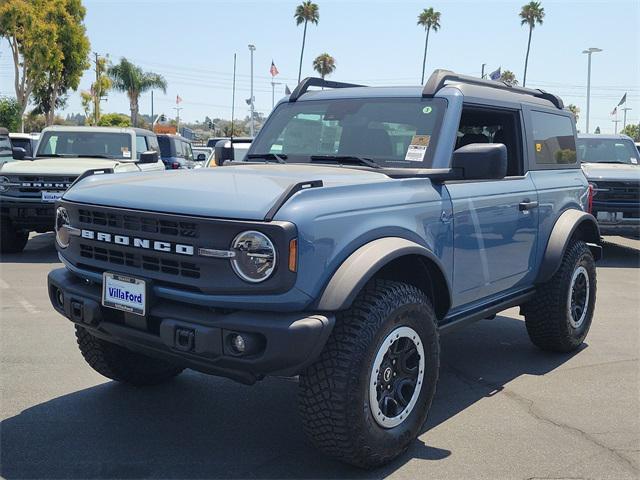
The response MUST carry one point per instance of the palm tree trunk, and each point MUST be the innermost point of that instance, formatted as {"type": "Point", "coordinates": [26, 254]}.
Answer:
{"type": "Point", "coordinates": [424, 58]}
{"type": "Point", "coordinates": [133, 106]}
{"type": "Point", "coordinates": [304, 37]}
{"type": "Point", "coordinates": [526, 59]}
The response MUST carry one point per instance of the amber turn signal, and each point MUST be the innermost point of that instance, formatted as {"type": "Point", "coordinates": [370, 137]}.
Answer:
{"type": "Point", "coordinates": [293, 255]}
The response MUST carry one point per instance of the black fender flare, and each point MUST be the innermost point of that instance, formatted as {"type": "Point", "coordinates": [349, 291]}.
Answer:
{"type": "Point", "coordinates": [364, 263]}
{"type": "Point", "coordinates": [568, 224]}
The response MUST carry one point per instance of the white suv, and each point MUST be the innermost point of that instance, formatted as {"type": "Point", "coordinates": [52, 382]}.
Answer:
{"type": "Point", "coordinates": [29, 188]}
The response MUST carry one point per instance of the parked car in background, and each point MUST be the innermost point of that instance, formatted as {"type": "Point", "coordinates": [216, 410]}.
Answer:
{"type": "Point", "coordinates": [638, 147]}
{"type": "Point", "coordinates": [175, 151]}
{"type": "Point", "coordinates": [6, 153]}
{"type": "Point", "coordinates": [611, 163]}
{"type": "Point", "coordinates": [26, 141]}
{"type": "Point", "coordinates": [29, 189]}
{"type": "Point", "coordinates": [201, 155]}
{"type": "Point", "coordinates": [229, 149]}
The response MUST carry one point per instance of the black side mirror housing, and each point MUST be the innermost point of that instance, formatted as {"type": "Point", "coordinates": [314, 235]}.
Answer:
{"type": "Point", "coordinates": [201, 157]}
{"type": "Point", "coordinates": [150, 156]}
{"type": "Point", "coordinates": [19, 153]}
{"type": "Point", "coordinates": [223, 151]}
{"type": "Point", "coordinates": [481, 161]}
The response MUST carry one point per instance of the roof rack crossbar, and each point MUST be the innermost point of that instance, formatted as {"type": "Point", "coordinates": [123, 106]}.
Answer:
{"type": "Point", "coordinates": [439, 77]}
{"type": "Point", "coordinates": [304, 85]}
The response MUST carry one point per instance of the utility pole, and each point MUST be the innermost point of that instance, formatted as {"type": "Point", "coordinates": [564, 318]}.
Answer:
{"type": "Point", "coordinates": [615, 122]}
{"type": "Point", "coordinates": [273, 93]}
{"type": "Point", "coordinates": [152, 117]}
{"type": "Point", "coordinates": [589, 52]}
{"type": "Point", "coordinates": [98, 91]}
{"type": "Point", "coordinates": [624, 118]}
{"type": "Point", "coordinates": [252, 48]}
{"type": "Point", "coordinates": [177, 109]}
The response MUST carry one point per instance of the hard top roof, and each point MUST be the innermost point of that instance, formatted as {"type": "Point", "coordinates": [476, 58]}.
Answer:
{"type": "Point", "coordinates": [75, 128]}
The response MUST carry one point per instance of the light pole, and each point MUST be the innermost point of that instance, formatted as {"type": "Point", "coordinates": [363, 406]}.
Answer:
{"type": "Point", "coordinates": [252, 48]}
{"type": "Point", "coordinates": [589, 52]}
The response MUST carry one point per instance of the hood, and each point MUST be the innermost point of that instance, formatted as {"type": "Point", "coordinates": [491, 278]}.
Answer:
{"type": "Point", "coordinates": [611, 171]}
{"type": "Point", "coordinates": [58, 166]}
{"type": "Point", "coordinates": [244, 192]}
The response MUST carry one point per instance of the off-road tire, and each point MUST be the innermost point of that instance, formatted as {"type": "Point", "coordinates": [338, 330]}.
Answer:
{"type": "Point", "coordinates": [122, 365]}
{"type": "Point", "coordinates": [12, 240]}
{"type": "Point", "coordinates": [334, 391]}
{"type": "Point", "coordinates": [547, 316]}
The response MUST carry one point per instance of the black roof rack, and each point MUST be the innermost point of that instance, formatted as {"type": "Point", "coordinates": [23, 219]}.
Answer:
{"type": "Point", "coordinates": [439, 77]}
{"type": "Point", "coordinates": [304, 85]}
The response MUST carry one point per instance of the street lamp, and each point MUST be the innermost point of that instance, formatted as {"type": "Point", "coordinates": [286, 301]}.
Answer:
{"type": "Point", "coordinates": [252, 48]}
{"type": "Point", "coordinates": [589, 52]}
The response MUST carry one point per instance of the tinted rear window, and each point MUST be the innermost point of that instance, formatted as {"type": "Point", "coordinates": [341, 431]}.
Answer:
{"type": "Point", "coordinates": [554, 139]}
{"type": "Point", "coordinates": [165, 146]}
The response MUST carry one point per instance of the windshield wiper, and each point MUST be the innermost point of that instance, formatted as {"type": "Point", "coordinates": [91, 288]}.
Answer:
{"type": "Point", "coordinates": [97, 155]}
{"type": "Point", "coordinates": [55, 155]}
{"type": "Point", "coordinates": [343, 159]}
{"type": "Point", "coordinates": [280, 158]}
{"type": "Point", "coordinates": [613, 161]}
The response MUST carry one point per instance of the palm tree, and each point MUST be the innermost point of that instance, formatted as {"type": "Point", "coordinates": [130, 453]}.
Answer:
{"type": "Point", "coordinates": [531, 14]}
{"type": "Point", "coordinates": [324, 64]}
{"type": "Point", "coordinates": [429, 19]}
{"type": "Point", "coordinates": [575, 110]}
{"type": "Point", "coordinates": [132, 80]}
{"type": "Point", "coordinates": [509, 78]}
{"type": "Point", "coordinates": [306, 12]}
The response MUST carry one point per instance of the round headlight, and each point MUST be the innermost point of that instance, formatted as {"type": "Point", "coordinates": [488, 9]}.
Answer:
{"type": "Point", "coordinates": [255, 256]}
{"type": "Point", "coordinates": [4, 184]}
{"type": "Point", "coordinates": [62, 230]}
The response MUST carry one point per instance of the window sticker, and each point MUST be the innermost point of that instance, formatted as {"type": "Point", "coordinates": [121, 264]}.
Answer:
{"type": "Point", "coordinates": [427, 110]}
{"type": "Point", "coordinates": [125, 152]}
{"type": "Point", "coordinates": [633, 160]}
{"type": "Point", "coordinates": [418, 148]}
{"type": "Point", "coordinates": [538, 147]}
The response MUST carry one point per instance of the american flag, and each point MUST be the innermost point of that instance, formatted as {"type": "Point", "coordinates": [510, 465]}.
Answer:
{"type": "Point", "coordinates": [273, 70]}
{"type": "Point", "coordinates": [178, 99]}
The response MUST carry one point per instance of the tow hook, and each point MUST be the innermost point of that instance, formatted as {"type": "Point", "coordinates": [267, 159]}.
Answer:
{"type": "Point", "coordinates": [184, 339]}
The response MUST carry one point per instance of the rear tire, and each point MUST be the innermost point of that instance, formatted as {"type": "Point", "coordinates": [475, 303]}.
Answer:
{"type": "Point", "coordinates": [12, 240]}
{"type": "Point", "coordinates": [559, 316]}
{"type": "Point", "coordinates": [122, 365]}
{"type": "Point", "coordinates": [367, 396]}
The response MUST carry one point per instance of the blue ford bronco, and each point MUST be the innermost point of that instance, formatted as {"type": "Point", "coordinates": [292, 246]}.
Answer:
{"type": "Point", "coordinates": [363, 223]}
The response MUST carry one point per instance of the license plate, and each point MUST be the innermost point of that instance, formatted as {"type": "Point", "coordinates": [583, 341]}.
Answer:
{"type": "Point", "coordinates": [124, 293]}
{"type": "Point", "coordinates": [51, 196]}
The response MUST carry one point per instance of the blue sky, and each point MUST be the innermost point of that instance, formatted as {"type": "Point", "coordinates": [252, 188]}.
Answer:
{"type": "Point", "coordinates": [192, 42]}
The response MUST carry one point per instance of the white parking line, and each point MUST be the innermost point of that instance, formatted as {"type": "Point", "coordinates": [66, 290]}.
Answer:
{"type": "Point", "coordinates": [29, 307]}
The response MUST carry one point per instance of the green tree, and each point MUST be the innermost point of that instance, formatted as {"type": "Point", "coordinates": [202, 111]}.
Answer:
{"type": "Point", "coordinates": [575, 110]}
{"type": "Point", "coordinates": [508, 77]}
{"type": "Point", "coordinates": [33, 42]}
{"type": "Point", "coordinates": [131, 79]}
{"type": "Point", "coordinates": [10, 114]}
{"type": "Point", "coordinates": [114, 120]}
{"type": "Point", "coordinates": [73, 46]}
{"type": "Point", "coordinates": [306, 12]}
{"type": "Point", "coordinates": [324, 64]}
{"type": "Point", "coordinates": [531, 14]}
{"type": "Point", "coordinates": [430, 20]}
{"type": "Point", "coordinates": [632, 130]}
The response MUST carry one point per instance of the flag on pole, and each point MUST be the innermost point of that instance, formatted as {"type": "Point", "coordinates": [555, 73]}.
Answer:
{"type": "Point", "coordinates": [273, 70]}
{"type": "Point", "coordinates": [623, 100]}
{"type": "Point", "coordinates": [287, 91]}
{"type": "Point", "coordinates": [614, 111]}
{"type": "Point", "coordinates": [495, 75]}
{"type": "Point", "coordinates": [178, 99]}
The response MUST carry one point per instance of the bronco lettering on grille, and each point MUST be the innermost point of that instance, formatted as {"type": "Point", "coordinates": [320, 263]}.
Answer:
{"type": "Point", "coordinates": [138, 242]}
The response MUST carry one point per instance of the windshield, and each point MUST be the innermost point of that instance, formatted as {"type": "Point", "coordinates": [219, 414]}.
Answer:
{"type": "Point", "coordinates": [5, 147]}
{"type": "Point", "coordinates": [607, 150]}
{"type": "Point", "coordinates": [85, 144]}
{"type": "Point", "coordinates": [392, 132]}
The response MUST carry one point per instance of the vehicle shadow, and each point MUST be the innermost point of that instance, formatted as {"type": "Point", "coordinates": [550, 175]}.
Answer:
{"type": "Point", "coordinates": [615, 255]}
{"type": "Point", "coordinates": [198, 426]}
{"type": "Point", "coordinates": [41, 248]}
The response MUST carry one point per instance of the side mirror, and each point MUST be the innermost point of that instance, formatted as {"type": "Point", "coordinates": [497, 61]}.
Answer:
{"type": "Point", "coordinates": [201, 157]}
{"type": "Point", "coordinates": [150, 156]}
{"type": "Point", "coordinates": [481, 161]}
{"type": "Point", "coordinates": [19, 153]}
{"type": "Point", "coordinates": [223, 152]}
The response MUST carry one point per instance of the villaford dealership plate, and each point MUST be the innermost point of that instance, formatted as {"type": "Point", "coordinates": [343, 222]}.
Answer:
{"type": "Point", "coordinates": [51, 197]}
{"type": "Point", "coordinates": [124, 293]}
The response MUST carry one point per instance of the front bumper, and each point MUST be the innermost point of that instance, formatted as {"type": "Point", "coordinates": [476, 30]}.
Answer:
{"type": "Point", "coordinates": [28, 215]}
{"type": "Point", "coordinates": [618, 222]}
{"type": "Point", "coordinates": [197, 337]}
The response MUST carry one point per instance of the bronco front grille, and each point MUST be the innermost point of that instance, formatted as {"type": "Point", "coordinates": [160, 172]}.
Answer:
{"type": "Point", "coordinates": [37, 183]}
{"type": "Point", "coordinates": [136, 223]}
{"type": "Point", "coordinates": [147, 262]}
{"type": "Point", "coordinates": [618, 191]}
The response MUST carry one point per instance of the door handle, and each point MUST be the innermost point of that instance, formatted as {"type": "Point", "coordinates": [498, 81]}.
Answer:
{"type": "Point", "coordinates": [527, 205]}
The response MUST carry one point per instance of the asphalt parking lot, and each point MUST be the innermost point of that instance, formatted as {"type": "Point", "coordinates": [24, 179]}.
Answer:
{"type": "Point", "coordinates": [503, 408]}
